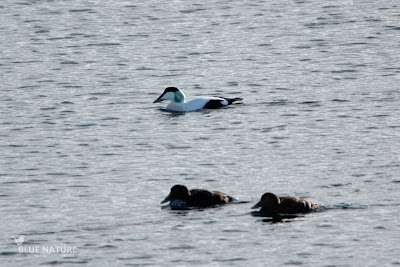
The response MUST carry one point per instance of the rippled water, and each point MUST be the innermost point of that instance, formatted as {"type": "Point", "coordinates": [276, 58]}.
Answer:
{"type": "Point", "coordinates": [87, 158]}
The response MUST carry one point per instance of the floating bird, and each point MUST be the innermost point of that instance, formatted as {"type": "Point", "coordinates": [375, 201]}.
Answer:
{"type": "Point", "coordinates": [181, 198]}
{"type": "Point", "coordinates": [180, 104]}
{"type": "Point", "coordinates": [20, 240]}
{"type": "Point", "coordinates": [276, 207]}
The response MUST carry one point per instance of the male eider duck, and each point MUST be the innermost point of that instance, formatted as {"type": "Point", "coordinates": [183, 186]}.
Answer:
{"type": "Point", "coordinates": [181, 198]}
{"type": "Point", "coordinates": [276, 207]}
{"type": "Point", "coordinates": [179, 102]}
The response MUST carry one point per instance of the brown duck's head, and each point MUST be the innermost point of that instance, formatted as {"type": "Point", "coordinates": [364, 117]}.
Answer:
{"type": "Point", "coordinates": [177, 192]}
{"type": "Point", "coordinates": [268, 201]}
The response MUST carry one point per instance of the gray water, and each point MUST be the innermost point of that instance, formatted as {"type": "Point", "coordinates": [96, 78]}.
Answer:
{"type": "Point", "coordinates": [86, 157]}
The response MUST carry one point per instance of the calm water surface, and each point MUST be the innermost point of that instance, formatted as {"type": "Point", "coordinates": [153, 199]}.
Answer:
{"type": "Point", "coordinates": [87, 158]}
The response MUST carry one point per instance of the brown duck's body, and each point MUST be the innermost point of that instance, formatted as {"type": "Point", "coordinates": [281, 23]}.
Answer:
{"type": "Point", "coordinates": [272, 204]}
{"type": "Point", "coordinates": [181, 197]}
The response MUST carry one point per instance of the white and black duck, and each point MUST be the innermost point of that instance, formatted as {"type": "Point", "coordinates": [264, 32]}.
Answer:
{"type": "Point", "coordinates": [181, 104]}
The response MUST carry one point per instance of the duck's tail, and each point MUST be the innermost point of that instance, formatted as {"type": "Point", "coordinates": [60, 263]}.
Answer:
{"type": "Point", "coordinates": [314, 206]}
{"type": "Point", "coordinates": [232, 199]}
{"type": "Point", "coordinates": [231, 100]}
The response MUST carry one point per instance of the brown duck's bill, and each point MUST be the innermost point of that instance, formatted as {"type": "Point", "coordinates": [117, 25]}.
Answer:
{"type": "Point", "coordinates": [257, 205]}
{"type": "Point", "coordinates": [165, 200]}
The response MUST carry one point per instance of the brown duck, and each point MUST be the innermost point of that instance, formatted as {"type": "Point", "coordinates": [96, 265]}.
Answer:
{"type": "Point", "coordinates": [181, 198]}
{"type": "Point", "coordinates": [273, 206]}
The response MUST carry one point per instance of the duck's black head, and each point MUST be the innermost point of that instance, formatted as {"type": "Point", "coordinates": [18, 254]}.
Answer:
{"type": "Point", "coordinates": [177, 192]}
